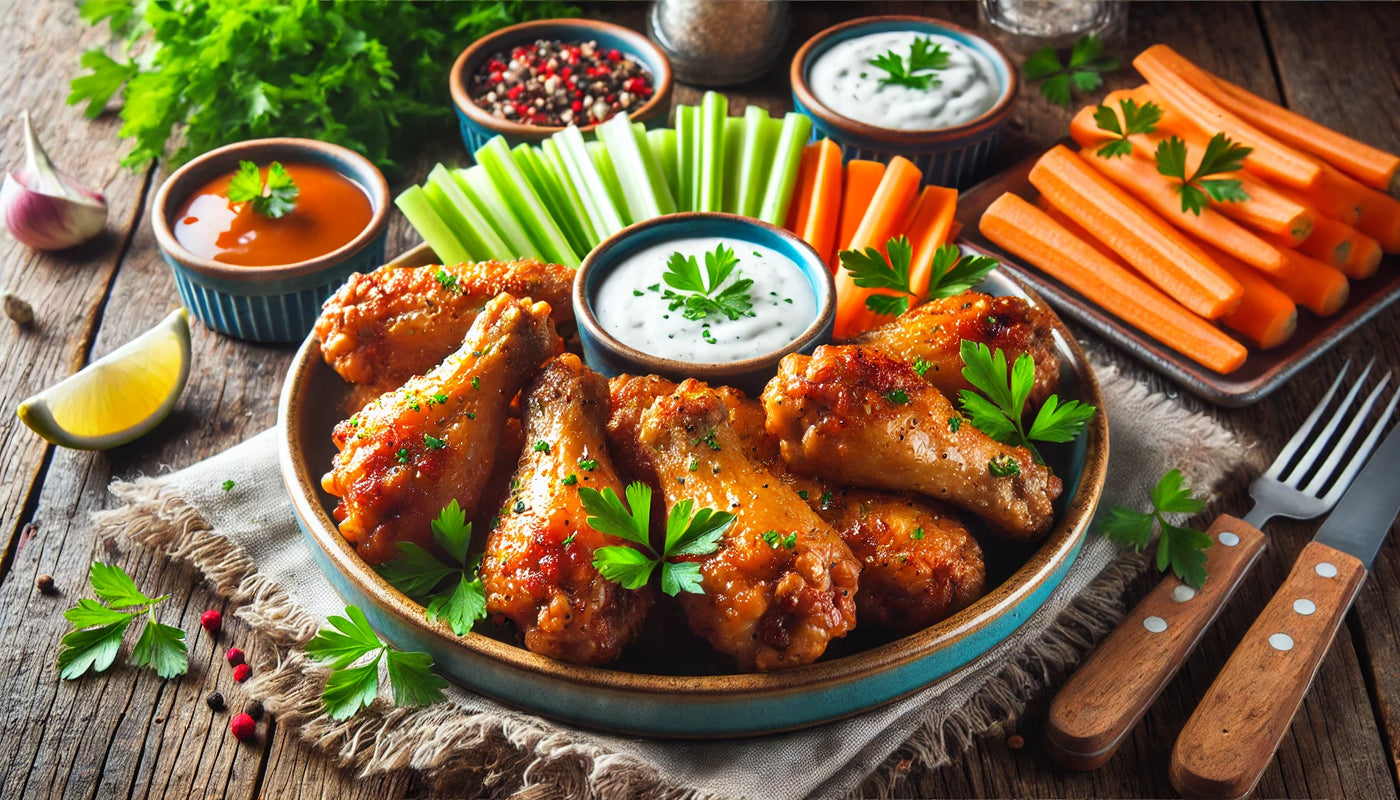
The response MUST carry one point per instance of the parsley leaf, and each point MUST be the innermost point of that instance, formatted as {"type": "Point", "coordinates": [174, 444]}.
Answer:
{"type": "Point", "coordinates": [274, 198]}
{"type": "Point", "coordinates": [952, 273]}
{"type": "Point", "coordinates": [701, 298]}
{"type": "Point", "coordinates": [999, 410]}
{"type": "Point", "coordinates": [98, 628]}
{"type": "Point", "coordinates": [1083, 72]}
{"type": "Point", "coordinates": [350, 688]}
{"type": "Point", "coordinates": [1180, 548]}
{"type": "Point", "coordinates": [689, 532]}
{"type": "Point", "coordinates": [924, 56]}
{"type": "Point", "coordinates": [162, 648]}
{"type": "Point", "coordinates": [1136, 120]}
{"type": "Point", "coordinates": [421, 575]}
{"type": "Point", "coordinates": [1221, 155]}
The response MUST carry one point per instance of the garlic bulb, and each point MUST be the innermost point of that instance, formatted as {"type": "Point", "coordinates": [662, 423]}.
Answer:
{"type": "Point", "coordinates": [44, 208]}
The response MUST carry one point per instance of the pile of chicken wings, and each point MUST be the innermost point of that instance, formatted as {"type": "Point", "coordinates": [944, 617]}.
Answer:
{"type": "Point", "coordinates": [849, 505]}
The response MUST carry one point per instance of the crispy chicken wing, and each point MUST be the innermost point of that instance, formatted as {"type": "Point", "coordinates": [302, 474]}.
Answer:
{"type": "Point", "coordinates": [858, 417]}
{"type": "Point", "coordinates": [413, 450]}
{"type": "Point", "coordinates": [918, 563]}
{"type": "Point", "coordinates": [782, 585]}
{"type": "Point", "coordinates": [933, 332]}
{"type": "Point", "coordinates": [538, 569]}
{"type": "Point", "coordinates": [388, 325]}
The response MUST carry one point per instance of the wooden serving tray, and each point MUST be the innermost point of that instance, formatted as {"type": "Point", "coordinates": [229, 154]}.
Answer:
{"type": "Point", "coordinates": [1263, 371]}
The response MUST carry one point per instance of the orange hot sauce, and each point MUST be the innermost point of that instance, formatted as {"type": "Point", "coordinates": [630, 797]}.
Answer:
{"type": "Point", "coordinates": [331, 210]}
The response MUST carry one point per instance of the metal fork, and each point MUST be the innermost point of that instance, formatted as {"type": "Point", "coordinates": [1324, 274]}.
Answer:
{"type": "Point", "coordinates": [1110, 692]}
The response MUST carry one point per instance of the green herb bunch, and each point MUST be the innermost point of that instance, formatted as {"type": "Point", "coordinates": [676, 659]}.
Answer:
{"type": "Point", "coordinates": [351, 73]}
{"type": "Point", "coordinates": [1180, 548]}
{"type": "Point", "coordinates": [450, 591]}
{"type": "Point", "coordinates": [100, 626]}
{"type": "Point", "coordinates": [999, 409]}
{"type": "Point", "coordinates": [353, 651]}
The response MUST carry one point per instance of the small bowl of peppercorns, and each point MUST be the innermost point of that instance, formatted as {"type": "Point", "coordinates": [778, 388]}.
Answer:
{"type": "Point", "coordinates": [528, 81]}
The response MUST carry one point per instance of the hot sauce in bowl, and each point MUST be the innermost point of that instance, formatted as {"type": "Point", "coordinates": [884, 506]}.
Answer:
{"type": "Point", "coordinates": [329, 212]}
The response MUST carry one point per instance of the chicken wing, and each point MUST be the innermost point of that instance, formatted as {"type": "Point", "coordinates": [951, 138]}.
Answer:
{"type": "Point", "coordinates": [538, 569]}
{"type": "Point", "coordinates": [858, 417]}
{"type": "Point", "coordinates": [411, 451]}
{"type": "Point", "coordinates": [388, 325]}
{"type": "Point", "coordinates": [918, 564]}
{"type": "Point", "coordinates": [933, 332]}
{"type": "Point", "coordinates": [782, 585]}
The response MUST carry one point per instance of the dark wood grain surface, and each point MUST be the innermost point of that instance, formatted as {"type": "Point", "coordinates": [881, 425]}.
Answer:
{"type": "Point", "coordinates": [127, 734]}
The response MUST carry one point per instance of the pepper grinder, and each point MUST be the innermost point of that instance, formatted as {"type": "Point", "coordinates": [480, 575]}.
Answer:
{"type": "Point", "coordinates": [719, 42]}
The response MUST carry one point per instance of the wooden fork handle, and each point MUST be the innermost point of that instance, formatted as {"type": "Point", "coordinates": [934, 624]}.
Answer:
{"type": "Point", "coordinates": [1235, 729]}
{"type": "Point", "coordinates": [1114, 687]}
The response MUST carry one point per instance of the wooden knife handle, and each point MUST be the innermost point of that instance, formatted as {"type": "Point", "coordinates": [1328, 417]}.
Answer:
{"type": "Point", "coordinates": [1235, 729]}
{"type": "Point", "coordinates": [1114, 687]}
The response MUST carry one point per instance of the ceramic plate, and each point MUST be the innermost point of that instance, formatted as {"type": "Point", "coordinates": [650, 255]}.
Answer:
{"type": "Point", "coordinates": [656, 691]}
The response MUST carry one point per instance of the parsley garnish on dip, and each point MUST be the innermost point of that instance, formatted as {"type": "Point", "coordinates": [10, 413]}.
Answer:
{"type": "Point", "coordinates": [706, 299]}
{"type": "Point", "coordinates": [904, 80]}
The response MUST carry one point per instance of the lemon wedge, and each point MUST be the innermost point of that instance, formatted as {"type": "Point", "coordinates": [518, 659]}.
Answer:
{"type": "Point", "coordinates": [120, 396]}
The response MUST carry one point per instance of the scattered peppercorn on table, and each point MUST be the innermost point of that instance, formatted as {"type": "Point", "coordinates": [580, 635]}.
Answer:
{"type": "Point", "coordinates": [126, 733]}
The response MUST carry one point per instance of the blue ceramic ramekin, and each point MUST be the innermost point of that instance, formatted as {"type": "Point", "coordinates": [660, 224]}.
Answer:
{"type": "Point", "coordinates": [479, 127]}
{"type": "Point", "coordinates": [607, 355]}
{"type": "Point", "coordinates": [277, 303]}
{"type": "Point", "coordinates": [957, 156]}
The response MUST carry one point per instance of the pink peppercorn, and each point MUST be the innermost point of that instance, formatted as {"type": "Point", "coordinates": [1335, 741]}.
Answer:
{"type": "Point", "coordinates": [243, 727]}
{"type": "Point", "coordinates": [212, 621]}
{"type": "Point", "coordinates": [234, 656]}
{"type": "Point", "coordinates": [242, 672]}
{"type": "Point", "coordinates": [613, 55]}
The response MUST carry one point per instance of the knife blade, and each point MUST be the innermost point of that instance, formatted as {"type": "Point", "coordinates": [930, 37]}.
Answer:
{"type": "Point", "coordinates": [1233, 733]}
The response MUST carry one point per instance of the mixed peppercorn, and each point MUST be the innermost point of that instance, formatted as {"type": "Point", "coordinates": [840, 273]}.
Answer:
{"type": "Point", "coordinates": [556, 83]}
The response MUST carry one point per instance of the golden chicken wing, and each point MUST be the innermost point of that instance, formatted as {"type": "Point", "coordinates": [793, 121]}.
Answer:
{"type": "Point", "coordinates": [932, 335]}
{"type": "Point", "coordinates": [413, 450]}
{"type": "Point", "coordinates": [858, 417]}
{"type": "Point", "coordinates": [782, 584]}
{"type": "Point", "coordinates": [385, 326]}
{"type": "Point", "coordinates": [538, 569]}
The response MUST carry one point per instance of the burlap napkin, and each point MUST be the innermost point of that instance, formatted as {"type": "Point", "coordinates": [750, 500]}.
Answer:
{"type": "Point", "coordinates": [248, 546]}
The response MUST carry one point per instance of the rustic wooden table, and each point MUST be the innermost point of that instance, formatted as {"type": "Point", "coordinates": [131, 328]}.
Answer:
{"type": "Point", "coordinates": [128, 734]}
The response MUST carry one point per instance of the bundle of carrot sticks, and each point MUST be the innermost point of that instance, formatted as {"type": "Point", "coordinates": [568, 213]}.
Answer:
{"type": "Point", "coordinates": [1318, 215]}
{"type": "Point", "coordinates": [864, 204]}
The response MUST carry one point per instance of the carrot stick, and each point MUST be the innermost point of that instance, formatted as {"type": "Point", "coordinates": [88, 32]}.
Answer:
{"type": "Point", "coordinates": [1265, 210]}
{"type": "Point", "coordinates": [1266, 314]}
{"type": "Point", "coordinates": [1156, 249]}
{"type": "Point", "coordinates": [1342, 246]}
{"type": "Point", "coordinates": [817, 223]}
{"type": "Point", "coordinates": [1271, 158]}
{"type": "Point", "coordinates": [862, 178]}
{"type": "Point", "coordinates": [928, 229]}
{"type": "Point", "coordinates": [1077, 230]}
{"type": "Point", "coordinates": [1378, 214]}
{"type": "Point", "coordinates": [1312, 284]}
{"type": "Point", "coordinates": [881, 221]}
{"type": "Point", "coordinates": [1154, 189]}
{"type": "Point", "coordinates": [1025, 231]}
{"type": "Point", "coordinates": [801, 204]}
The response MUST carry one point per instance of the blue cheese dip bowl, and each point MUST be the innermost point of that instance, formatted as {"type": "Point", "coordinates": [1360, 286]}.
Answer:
{"type": "Point", "coordinates": [981, 80]}
{"type": "Point", "coordinates": [627, 325]}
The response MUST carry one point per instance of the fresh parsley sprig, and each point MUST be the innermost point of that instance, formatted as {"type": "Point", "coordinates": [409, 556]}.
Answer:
{"type": "Point", "coordinates": [349, 641]}
{"type": "Point", "coordinates": [450, 592]}
{"type": "Point", "coordinates": [689, 289]}
{"type": "Point", "coordinates": [98, 628]}
{"type": "Point", "coordinates": [689, 532]}
{"type": "Point", "coordinates": [1222, 155]}
{"type": "Point", "coordinates": [1083, 72]}
{"type": "Point", "coordinates": [1181, 548]}
{"type": "Point", "coordinates": [952, 273]}
{"type": "Point", "coordinates": [998, 411]}
{"type": "Point", "coordinates": [924, 56]}
{"type": "Point", "coordinates": [273, 198]}
{"type": "Point", "coordinates": [1136, 119]}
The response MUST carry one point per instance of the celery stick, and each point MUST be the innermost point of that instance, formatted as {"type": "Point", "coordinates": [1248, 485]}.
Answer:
{"type": "Point", "coordinates": [525, 202]}
{"type": "Point", "coordinates": [603, 163]}
{"type": "Point", "coordinates": [687, 155]}
{"type": "Point", "coordinates": [481, 188]}
{"type": "Point", "coordinates": [714, 109]}
{"type": "Point", "coordinates": [733, 160]}
{"type": "Point", "coordinates": [797, 128]}
{"type": "Point", "coordinates": [588, 182]}
{"type": "Point", "coordinates": [663, 144]}
{"type": "Point", "coordinates": [446, 209]}
{"type": "Point", "coordinates": [643, 188]}
{"type": "Point", "coordinates": [550, 153]}
{"type": "Point", "coordinates": [655, 174]}
{"type": "Point", "coordinates": [547, 186]}
{"type": "Point", "coordinates": [418, 209]}
{"type": "Point", "coordinates": [475, 232]}
{"type": "Point", "coordinates": [757, 155]}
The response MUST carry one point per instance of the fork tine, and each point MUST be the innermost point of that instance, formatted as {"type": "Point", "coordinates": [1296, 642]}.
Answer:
{"type": "Point", "coordinates": [1367, 445]}
{"type": "Point", "coordinates": [1295, 475]}
{"type": "Point", "coordinates": [1303, 430]}
{"type": "Point", "coordinates": [1340, 448]}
